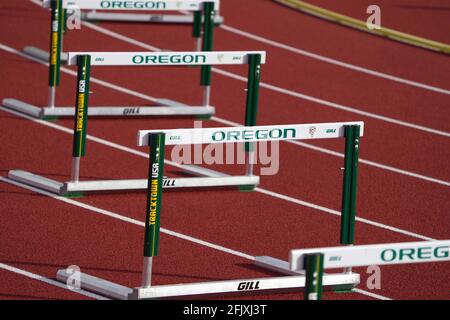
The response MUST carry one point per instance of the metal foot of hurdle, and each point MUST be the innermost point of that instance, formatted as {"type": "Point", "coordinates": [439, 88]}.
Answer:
{"type": "Point", "coordinates": [204, 13]}
{"type": "Point", "coordinates": [163, 108]}
{"type": "Point", "coordinates": [208, 178]}
{"type": "Point", "coordinates": [307, 264]}
{"type": "Point", "coordinates": [153, 18]}
{"type": "Point", "coordinates": [157, 140]}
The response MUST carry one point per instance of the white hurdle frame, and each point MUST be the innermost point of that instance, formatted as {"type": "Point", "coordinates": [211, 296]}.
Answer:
{"type": "Point", "coordinates": [204, 177]}
{"type": "Point", "coordinates": [163, 107]}
{"type": "Point", "coordinates": [205, 136]}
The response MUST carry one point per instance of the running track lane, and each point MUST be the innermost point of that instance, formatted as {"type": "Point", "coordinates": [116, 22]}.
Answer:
{"type": "Point", "coordinates": [420, 18]}
{"type": "Point", "coordinates": [248, 230]}
{"type": "Point", "coordinates": [309, 33]}
{"type": "Point", "coordinates": [104, 247]}
{"type": "Point", "coordinates": [317, 173]}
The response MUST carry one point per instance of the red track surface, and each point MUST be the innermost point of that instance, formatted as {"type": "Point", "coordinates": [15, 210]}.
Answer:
{"type": "Point", "coordinates": [40, 234]}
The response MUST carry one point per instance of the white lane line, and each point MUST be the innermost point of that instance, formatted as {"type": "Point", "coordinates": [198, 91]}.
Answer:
{"type": "Point", "coordinates": [333, 61]}
{"type": "Point", "coordinates": [337, 213]}
{"type": "Point", "coordinates": [129, 220]}
{"type": "Point", "coordinates": [49, 281]}
{"type": "Point", "coordinates": [275, 88]}
{"type": "Point", "coordinates": [260, 190]}
{"type": "Point", "coordinates": [133, 221]}
{"type": "Point", "coordinates": [341, 155]}
{"type": "Point", "coordinates": [371, 294]}
{"type": "Point", "coordinates": [291, 93]}
{"type": "Point", "coordinates": [224, 121]}
{"type": "Point", "coordinates": [329, 60]}
{"type": "Point", "coordinates": [337, 106]}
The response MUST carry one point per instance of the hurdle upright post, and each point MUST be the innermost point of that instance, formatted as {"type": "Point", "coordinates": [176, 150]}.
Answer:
{"type": "Point", "coordinates": [197, 30]}
{"type": "Point", "coordinates": [65, 17]}
{"type": "Point", "coordinates": [81, 114]}
{"type": "Point", "coordinates": [56, 30]}
{"type": "Point", "coordinates": [208, 39]}
{"type": "Point", "coordinates": [313, 263]}
{"type": "Point", "coordinates": [153, 209]}
{"type": "Point", "coordinates": [251, 112]}
{"type": "Point", "coordinates": [349, 190]}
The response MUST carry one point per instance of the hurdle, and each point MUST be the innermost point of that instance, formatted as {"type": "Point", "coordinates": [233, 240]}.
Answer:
{"type": "Point", "coordinates": [153, 18]}
{"type": "Point", "coordinates": [156, 140]}
{"type": "Point", "coordinates": [314, 261]}
{"type": "Point", "coordinates": [204, 177]}
{"type": "Point", "coordinates": [348, 205]}
{"type": "Point", "coordinates": [95, 15]}
{"type": "Point", "coordinates": [204, 11]}
{"type": "Point", "coordinates": [197, 8]}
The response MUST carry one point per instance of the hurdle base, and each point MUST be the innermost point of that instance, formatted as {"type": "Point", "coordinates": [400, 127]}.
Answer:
{"type": "Point", "coordinates": [169, 183]}
{"type": "Point", "coordinates": [102, 287]}
{"type": "Point", "coordinates": [139, 17]}
{"type": "Point", "coordinates": [282, 267]}
{"type": "Point", "coordinates": [42, 54]}
{"type": "Point", "coordinates": [226, 287]}
{"type": "Point", "coordinates": [167, 108]}
{"type": "Point", "coordinates": [77, 189]}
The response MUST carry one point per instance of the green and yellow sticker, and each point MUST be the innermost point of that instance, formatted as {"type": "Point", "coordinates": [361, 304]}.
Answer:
{"type": "Point", "coordinates": [154, 194]}
{"type": "Point", "coordinates": [56, 28]}
{"type": "Point", "coordinates": [81, 106]}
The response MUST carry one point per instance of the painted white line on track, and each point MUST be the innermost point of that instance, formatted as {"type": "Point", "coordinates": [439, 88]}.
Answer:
{"type": "Point", "coordinates": [127, 219]}
{"type": "Point", "coordinates": [336, 105]}
{"type": "Point", "coordinates": [329, 60]}
{"type": "Point", "coordinates": [341, 155]}
{"type": "Point", "coordinates": [332, 61]}
{"type": "Point", "coordinates": [49, 281]}
{"type": "Point", "coordinates": [288, 92]}
{"type": "Point", "coordinates": [371, 294]}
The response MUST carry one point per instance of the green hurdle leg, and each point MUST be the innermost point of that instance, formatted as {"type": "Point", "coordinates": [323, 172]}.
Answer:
{"type": "Point", "coordinates": [208, 39]}
{"type": "Point", "coordinates": [352, 138]}
{"type": "Point", "coordinates": [56, 29]}
{"type": "Point", "coordinates": [197, 30]}
{"type": "Point", "coordinates": [154, 198]}
{"type": "Point", "coordinates": [81, 114]}
{"type": "Point", "coordinates": [254, 78]}
{"type": "Point", "coordinates": [65, 17]}
{"type": "Point", "coordinates": [314, 274]}
{"type": "Point", "coordinates": [251, 111]}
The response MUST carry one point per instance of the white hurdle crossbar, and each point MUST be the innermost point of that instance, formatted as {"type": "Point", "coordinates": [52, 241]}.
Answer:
{"type": "Point", "coordinates": [252, 134]}
{"type": "Point", "coordinates": [375, 254]}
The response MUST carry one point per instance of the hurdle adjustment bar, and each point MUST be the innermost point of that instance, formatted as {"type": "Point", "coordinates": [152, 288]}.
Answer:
{"type": "Point", "coordinates": [42, 54]}
{"type": "Point", "coordinates": [139, 17]}
{"type": "Point", "coordinates": [64, 188]}
{"type": "Point", "coordinates": [103, 287]}
{"type": "Point", "coordinates": [116, 291]}
{"type": "Point", "coordinates": [165, 107]}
